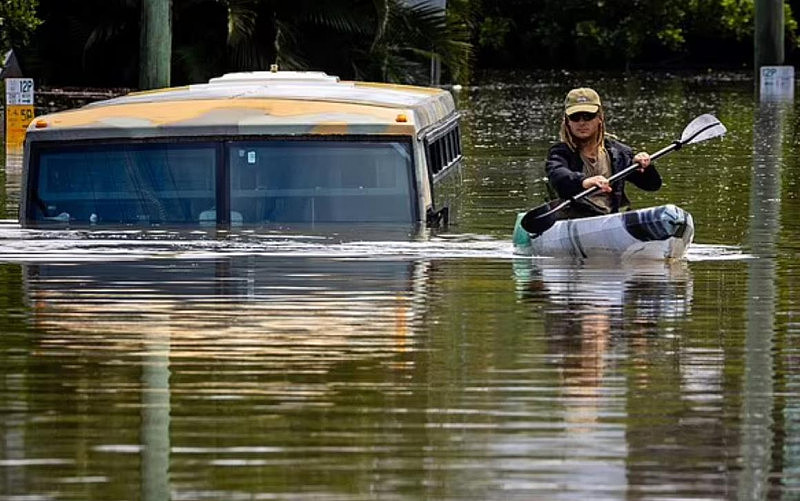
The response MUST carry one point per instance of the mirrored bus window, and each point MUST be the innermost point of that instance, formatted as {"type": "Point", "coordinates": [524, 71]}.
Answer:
{"type": "Point", "coordinates": [124, 184]}
{"type": "Point", "coordinates": [310, 181]}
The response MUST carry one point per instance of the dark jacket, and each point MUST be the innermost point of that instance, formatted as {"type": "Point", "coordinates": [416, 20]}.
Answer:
{"type": "Point", "coordinates": [564, 169]}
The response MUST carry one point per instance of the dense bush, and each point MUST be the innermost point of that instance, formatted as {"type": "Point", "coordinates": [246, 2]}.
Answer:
{"type": "Point", "coordinates": [620, 33]}
{"type": "Point", "coordinates": [96, 42]}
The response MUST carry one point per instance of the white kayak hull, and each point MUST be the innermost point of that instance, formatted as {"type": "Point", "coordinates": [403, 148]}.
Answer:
{"type": "Point", "coordinates": [663, 232]}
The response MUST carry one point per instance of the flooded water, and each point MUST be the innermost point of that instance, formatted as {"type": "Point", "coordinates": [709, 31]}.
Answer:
{"type": "Point", "coordinates": [244, 366]}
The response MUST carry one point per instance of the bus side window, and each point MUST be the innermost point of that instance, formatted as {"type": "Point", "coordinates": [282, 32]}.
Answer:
{"type": "Point", "coordinates": [444, 151]}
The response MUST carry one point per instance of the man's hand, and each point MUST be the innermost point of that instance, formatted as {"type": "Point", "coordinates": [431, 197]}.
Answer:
{"type": "Point", "coordinates": [642, 158]}
{"type": "Point", "coordinates": [599, 181]}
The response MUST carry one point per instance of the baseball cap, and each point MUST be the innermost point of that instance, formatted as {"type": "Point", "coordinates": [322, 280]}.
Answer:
{"type": "Point", "coordinates": [582, 99]}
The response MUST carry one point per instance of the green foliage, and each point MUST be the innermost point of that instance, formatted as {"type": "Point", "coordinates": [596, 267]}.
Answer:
{"type": "Point", "coordinates": [618, 33]}
{"type": "Point", "coordinates": [17, 21]}
{"type": "Point", "coordinates": [493, 32]}
{"type": "Point", "coordinates": [737, 17]}
{"type": "Point", "coordinates": [96, 42]}
{"type": "Point", "coordinates": [790, 25]}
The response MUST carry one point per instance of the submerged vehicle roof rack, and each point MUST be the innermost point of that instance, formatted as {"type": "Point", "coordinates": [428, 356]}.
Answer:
{"type": "Point", "coordinates": [266, 77]}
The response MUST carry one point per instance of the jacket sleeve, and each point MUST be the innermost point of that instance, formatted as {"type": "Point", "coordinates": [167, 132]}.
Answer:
{"type": "Point", "coordinates": [564, 180]}
{"type": "Point", "coordinates": [649, 180]}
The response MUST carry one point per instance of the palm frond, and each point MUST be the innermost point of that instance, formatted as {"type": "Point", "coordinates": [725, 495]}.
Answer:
{"type": "Point", "coordinates": [242, 18]}
{"type": "Point", "coordinates": [343, 16]}
{"type": "Point", "coordinates": [419, 33]}
{"type": "Point", "coordinates": [287, 55]}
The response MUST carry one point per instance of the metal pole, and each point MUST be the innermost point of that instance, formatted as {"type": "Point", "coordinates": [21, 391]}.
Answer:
{"type": "Point", "coordinates": [155, 44]}
{"type": "Point", "coordinates": [768, 34]}
{"type": "Point", "coordinates": [436, 71]}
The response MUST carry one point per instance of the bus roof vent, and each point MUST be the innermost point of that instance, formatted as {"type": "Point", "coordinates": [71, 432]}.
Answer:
{"type": "Point", "coordinates": [267, 77]}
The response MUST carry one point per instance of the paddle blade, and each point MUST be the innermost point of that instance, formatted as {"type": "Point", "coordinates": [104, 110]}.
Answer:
{"type": "Point", "coordinates": [702, 128]}
{"type": "Point", "coordinates": [538, 220]}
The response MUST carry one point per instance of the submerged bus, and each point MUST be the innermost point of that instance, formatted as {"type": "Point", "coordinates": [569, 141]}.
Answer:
{"type": "Point", "coordinates": [258, 148]}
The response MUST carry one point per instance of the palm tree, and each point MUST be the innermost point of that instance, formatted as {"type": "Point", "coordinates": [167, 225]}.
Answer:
{"type": "Point", "coordinates": [92, 42]}
{"type": "Point", "coordinates": [364, 39]}
{"type": "Point", "coordinates": [96, 42]}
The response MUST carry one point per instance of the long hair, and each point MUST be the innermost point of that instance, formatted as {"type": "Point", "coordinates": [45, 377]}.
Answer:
{"type": "Point", "coordinates": [565, 134]}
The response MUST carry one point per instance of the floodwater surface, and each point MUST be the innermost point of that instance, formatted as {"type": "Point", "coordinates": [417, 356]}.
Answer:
{"type": "Point", "coordinates": [421, 365]}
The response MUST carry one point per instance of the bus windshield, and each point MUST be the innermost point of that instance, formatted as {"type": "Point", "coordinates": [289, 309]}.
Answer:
{"type": "Point", "coordinates": [256, 181]}
{"type": "Point", "coordinates": [321, 181]}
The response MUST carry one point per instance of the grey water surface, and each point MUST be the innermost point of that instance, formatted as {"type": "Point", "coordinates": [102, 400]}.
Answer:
{"type": "Point", "coordinates": [402, 366]}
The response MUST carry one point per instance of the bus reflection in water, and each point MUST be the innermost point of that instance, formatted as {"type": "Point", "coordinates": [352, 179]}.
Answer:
{"type": "Point", "coordinates": [271, 305]}
{"type": "Point", "coordinates": [215, 335]}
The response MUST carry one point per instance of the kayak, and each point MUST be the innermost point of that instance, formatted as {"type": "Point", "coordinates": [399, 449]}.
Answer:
{"type": "Point", "coordinates": [663, 232]}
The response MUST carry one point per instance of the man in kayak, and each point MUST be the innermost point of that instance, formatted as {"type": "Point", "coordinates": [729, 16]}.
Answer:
{"type": "Point", "coordinates": [587, 157]}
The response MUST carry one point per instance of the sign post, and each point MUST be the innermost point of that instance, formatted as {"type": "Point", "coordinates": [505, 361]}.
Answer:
{"type": "Point", "coordinates": [19, 113]}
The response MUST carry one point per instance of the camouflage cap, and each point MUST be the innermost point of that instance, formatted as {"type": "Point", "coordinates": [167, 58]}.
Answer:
{"type": "Point", "coordinates": [582, 99]}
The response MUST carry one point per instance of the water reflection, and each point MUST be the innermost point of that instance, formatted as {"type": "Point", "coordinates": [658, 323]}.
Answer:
{"type": "Point", "coordinates": [155, 417]}
{"type": "Point", "coordinates": [257, 334]}
{"type": "Point", "coordinates": [224, 306]}
{"type": "Point", "coordinates": [584, 305]}
{"type": "Point", "coordinates": [603, 322]}
{"type": "Point", "coordinates": [653, 290]}
{"type": "Point", "coordinates": [758, 432]}
{"type": "Point", "coordinates": [10, 191]}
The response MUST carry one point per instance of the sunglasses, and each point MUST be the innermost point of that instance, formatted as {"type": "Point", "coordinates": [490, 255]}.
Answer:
{"type": "Point", "coordinates": [582, 116]}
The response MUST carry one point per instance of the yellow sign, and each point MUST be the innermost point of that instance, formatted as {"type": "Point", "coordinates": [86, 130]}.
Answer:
{"type": "Point", "coordinates": [17, 119]}
{"type": "Point", "coordinates": [19, 113]}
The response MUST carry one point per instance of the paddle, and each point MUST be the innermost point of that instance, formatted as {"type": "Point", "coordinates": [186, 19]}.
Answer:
{"type": "Point", "coordinates": [539, 219]}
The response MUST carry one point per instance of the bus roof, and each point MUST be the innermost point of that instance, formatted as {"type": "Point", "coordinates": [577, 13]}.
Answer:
{"type": "Point", "coordinates": [266, 103]}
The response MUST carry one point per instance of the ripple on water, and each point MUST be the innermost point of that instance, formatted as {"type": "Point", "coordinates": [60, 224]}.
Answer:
{"type": "Point", "coordinates": [708, 252]}
{"type": "Point", "coordinates": [28, 246]}
{"type": "Point", "coordinates": [25, 245]}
